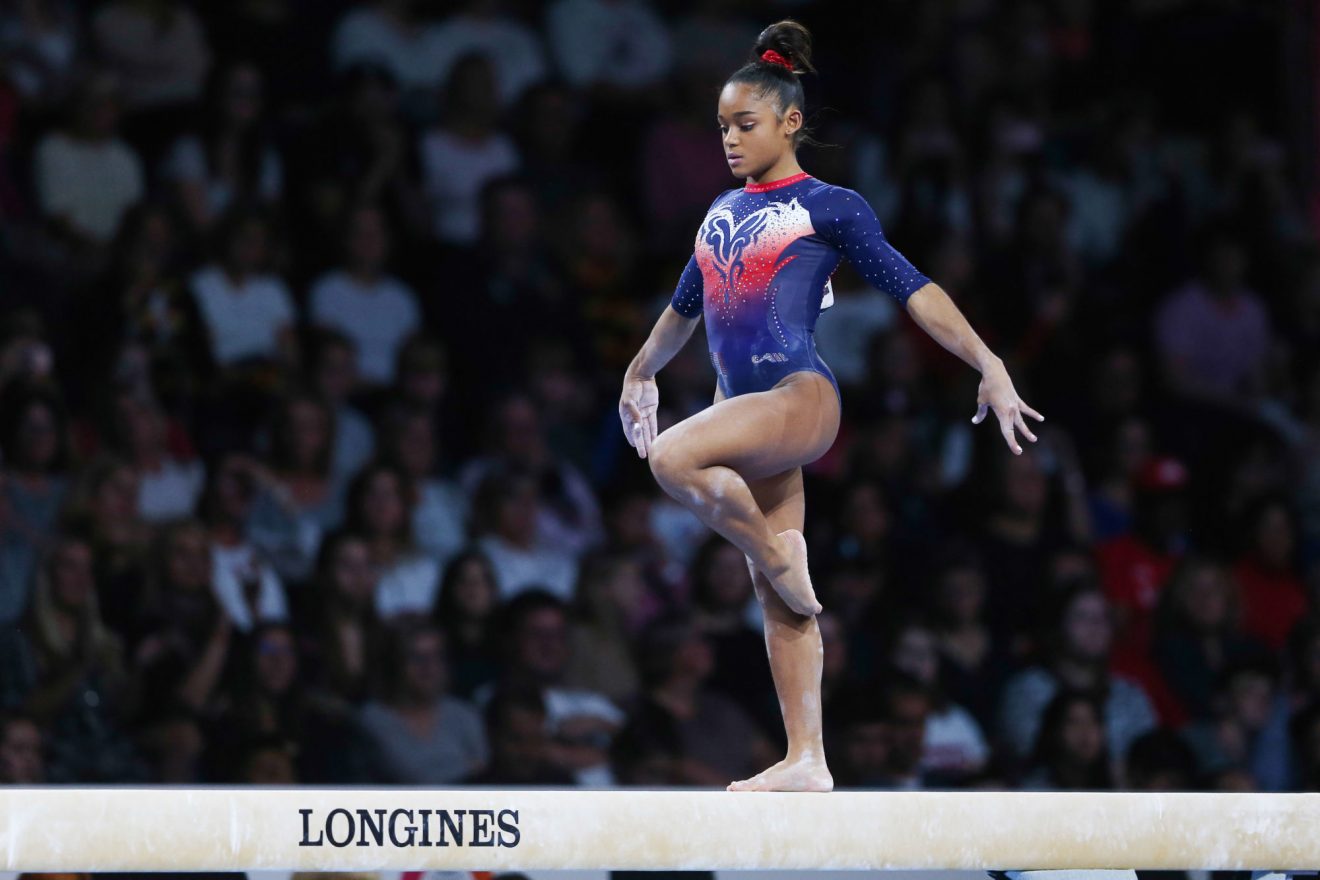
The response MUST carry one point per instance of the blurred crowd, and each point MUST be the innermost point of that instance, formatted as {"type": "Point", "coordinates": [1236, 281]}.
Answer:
{"type": "Point", "coordinates": [314, 319]}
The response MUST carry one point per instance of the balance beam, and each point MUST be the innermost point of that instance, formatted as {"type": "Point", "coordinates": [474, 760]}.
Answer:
{"type": "Point", "coordinates": [321, 829]}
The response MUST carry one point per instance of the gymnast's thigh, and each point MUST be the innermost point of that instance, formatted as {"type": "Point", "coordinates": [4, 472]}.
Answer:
{"type": "Point", "coordinates": [760, 434]}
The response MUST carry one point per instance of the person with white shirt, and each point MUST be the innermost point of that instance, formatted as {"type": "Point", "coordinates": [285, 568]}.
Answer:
{"type": "Point", "coordinates": [485, 26]}
{"type": "Point", "coordinates": [244, 583]}
{"type": "Point", "coordinates": [231, 156]}
{"type": "Point", "coordinates": [536, 645]}
{"type": "Point", "coordinates": [247, 310]}
{"type": "Point", "coordinates": [389, 33]}
{"type": "Point", "coordinates": [380, 510]}
{"type": "Point", "coordinates": [374, 309]}
{"type": "Point", "coordinates": [86, 176]}
{"type": "Point", "coordinates": [440, 509]}
{"type": "Point", "coordinates": [618, 43]}
{"type": "Point", "coordinates": [460, 157]}
{"type": "Point", "coordinates": [505, 517]}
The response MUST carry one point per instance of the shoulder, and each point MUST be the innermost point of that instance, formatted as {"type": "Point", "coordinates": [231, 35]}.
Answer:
{"type": "Point", "coordinates": [460, 708]}
{"type": "Point", "coordinates": [725, 197]}
{"type": "Point", "coordinates": [207, 281]}
{"type": "Point", "coordinates": [1033, 678]}
{"type": "Point", "coordinates": [330, 284]}
{"type": "Point", "coordinates": [835, 201]}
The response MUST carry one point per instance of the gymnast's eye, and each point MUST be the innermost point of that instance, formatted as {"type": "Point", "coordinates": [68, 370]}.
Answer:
{"type": "Point", "coordinates": [748, 126]}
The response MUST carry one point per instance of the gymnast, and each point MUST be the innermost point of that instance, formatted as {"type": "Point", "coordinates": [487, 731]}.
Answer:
{"type": "Point", "coordinates": [759, 275]}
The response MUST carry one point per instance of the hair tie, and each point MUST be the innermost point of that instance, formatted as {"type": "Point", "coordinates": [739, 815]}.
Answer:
{"type": "Point", "coordinates": [770, 56]}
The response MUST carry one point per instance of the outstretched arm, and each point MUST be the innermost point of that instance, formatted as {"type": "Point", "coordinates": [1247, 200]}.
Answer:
{"type": "Point", "coordinates": [641, 397]}
{"type": "Point", "coordinates": [935, 313]}
{"type": "Point", "coordinates": [845, 220]}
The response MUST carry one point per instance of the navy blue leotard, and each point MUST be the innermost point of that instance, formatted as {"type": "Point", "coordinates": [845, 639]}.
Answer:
{"type": "Point", "coordinates": [761, 269]}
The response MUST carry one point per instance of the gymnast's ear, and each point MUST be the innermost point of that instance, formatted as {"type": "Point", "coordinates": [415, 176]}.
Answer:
{"type": "Point", "coordinates": [792, 120]}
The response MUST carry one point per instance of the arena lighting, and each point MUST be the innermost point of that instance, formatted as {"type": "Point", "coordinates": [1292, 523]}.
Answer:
{"type": "Point", "coordinates": [320, 829]}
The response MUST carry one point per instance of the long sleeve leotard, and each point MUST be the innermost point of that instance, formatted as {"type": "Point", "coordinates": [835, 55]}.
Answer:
{"type": "Point", "coordinates": [761, 268]}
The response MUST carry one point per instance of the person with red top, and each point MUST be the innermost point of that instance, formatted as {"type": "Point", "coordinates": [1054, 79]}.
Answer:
{"type": "Point", "coordinates": [1273, 597]}
{"type": "Point", "coordinates": [1135, 567]}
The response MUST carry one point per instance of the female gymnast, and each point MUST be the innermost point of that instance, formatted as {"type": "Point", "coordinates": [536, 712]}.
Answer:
{"type": "Point", "coordinates": [762, 262]}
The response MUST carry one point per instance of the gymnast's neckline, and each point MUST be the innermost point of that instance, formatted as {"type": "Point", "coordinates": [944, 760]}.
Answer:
{"type": "Point", "coordinates": [776, 184]}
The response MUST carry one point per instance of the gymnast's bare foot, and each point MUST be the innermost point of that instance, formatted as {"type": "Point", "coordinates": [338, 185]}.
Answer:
{"type": "Point", "coordinates": [803, 774]}
{"type": "Point", "coordinates": [793, 584]}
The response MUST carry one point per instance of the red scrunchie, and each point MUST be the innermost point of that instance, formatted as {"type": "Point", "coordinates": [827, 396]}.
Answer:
{"type": "Point", "coordinates": [773, 57]}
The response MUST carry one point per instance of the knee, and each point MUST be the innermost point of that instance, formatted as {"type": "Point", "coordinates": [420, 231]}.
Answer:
{"type": "Point", "coordinates": [667, 462]}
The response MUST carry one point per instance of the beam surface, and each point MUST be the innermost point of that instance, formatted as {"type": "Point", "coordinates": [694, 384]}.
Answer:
{"type": "Point", "coordinates": [321, 829]}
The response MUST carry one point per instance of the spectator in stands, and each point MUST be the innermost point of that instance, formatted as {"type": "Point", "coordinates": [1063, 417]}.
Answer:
{"type": "Point", "coordinates": [345, 634]}
{"type": "Point", "coordinates": [380, 510]}
{"type": "Point", "coordinates": [522, 754]}
{"type": "Point", "coordinates": [465, 151]}
{"type": "Point", "coordinates": [333, 367]}
{"type": "Point", "coordinates": [34, 443]}
{"type": "Point", "coordinates": [22, 759]}
{"type": "Point", "coordinates": [375, 309]}
{"type": "Point", "coordinates": [954, 747]}
{"type": "Point", "coordinates": [467, 610]}
{"type": "Point", "coordinates": [535, 644]}
{"type": "Point", "coordinates": [183, 638]}
{"type": "Point", "coordinates": [718, 741]}
{"type": "Point", "coordinates": [246, 308]}
{"type": "Point", "coordinates": [488, 27]}
{"type": "Point", "coordinates": [230, 157]}
{"type": "Point", "coordinates": [1075, 655]}
{"type": "Point", "coordinates": [245, 583]}
{"type": "Point", "coordinates": [86, 176]}
{"type": "Point", "coordinates": [422, 735]}
{"type": "Point", "coordinates": [299, 498]}
{"type": "Point", "coordinates": [1213, 334]}
{"type": "Point", "coordinates": [1271, 592]}
{"type": "Point", "coordinates": [1198, 633]}
{"type": "Point", "coordinates": [409, 440]}
{"type": "Point", "coordinates": [606, 622]}
{"type": "Point", "coordinates": [1070, 752]}
{"type": "Point", "coordinates": [67, 671]}
{"type": "Point", "coordinates": [505, 523]}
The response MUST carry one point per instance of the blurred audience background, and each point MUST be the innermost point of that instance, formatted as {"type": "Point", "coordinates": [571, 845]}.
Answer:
{"type": "Point", "coordinates": [313, 318]}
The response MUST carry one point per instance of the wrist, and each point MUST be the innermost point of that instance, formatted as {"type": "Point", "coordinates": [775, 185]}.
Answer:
{"type": "Point", "coordinates": [986, 361]}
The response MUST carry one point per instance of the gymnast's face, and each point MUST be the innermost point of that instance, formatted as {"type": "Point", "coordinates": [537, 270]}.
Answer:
{"type": "Point", "coordinates": [756, 133]}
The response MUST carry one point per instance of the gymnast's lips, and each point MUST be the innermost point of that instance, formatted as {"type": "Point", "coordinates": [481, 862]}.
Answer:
{"type": "Point", "coordinates": [734, 158]}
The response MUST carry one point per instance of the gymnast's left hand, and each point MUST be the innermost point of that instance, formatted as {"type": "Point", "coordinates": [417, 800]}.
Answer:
{"type": "Point", "coordinates": [637, 407]}
{"type": "Point", "coordinates": [997, 393]}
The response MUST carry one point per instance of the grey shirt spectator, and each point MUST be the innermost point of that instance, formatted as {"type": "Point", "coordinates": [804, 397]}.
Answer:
{"type": "Point", "coordinates": [454, 747]}
{"type": "Point", "coordinates": [1128, 711]}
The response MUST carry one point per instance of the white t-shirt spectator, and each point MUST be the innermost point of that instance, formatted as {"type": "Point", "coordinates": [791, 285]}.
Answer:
{"type": "Point", "coordinates": [231, 567]}
{"type": "Point", "coordinates": [953, 742]}
{"type": "Point", "coordinates": [612, 42]}
{"type": "Point", "coordinates": [439, 520]}
{"type": "Point", "coordinates": [242, 321]}
{"type": "Point", "coordinates": [367, 35]}
{"type": "Point", "coordinates": [88, 184]}
{"type": "Point", "coordinates": [408, 587]}
{"type": "Point", "coordinates": [454, 170]}
{"type": "Point", "coordinates": [378, 317]}
{"type": "Point", "coordinates": [512, 48]}
{"type": "Point", "coordinates": [186, 163]}
{"type": "Point", "coordinates": [517, 569]}
{"type": "Point", "coordinates": [171, 491]}
{"type": "Point", "coordinates": [355, 442]}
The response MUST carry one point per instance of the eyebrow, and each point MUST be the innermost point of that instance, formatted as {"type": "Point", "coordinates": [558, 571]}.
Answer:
{"type": "Point", "coordinates": [739, 113]}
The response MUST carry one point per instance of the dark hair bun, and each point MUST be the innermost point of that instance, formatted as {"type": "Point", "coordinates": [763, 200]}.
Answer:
{"type": "Point", "coordinates": [791, 40]}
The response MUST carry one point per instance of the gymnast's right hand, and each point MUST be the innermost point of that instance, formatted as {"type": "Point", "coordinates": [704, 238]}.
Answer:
{"type": "Point", "coordinates": [637, 406]}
